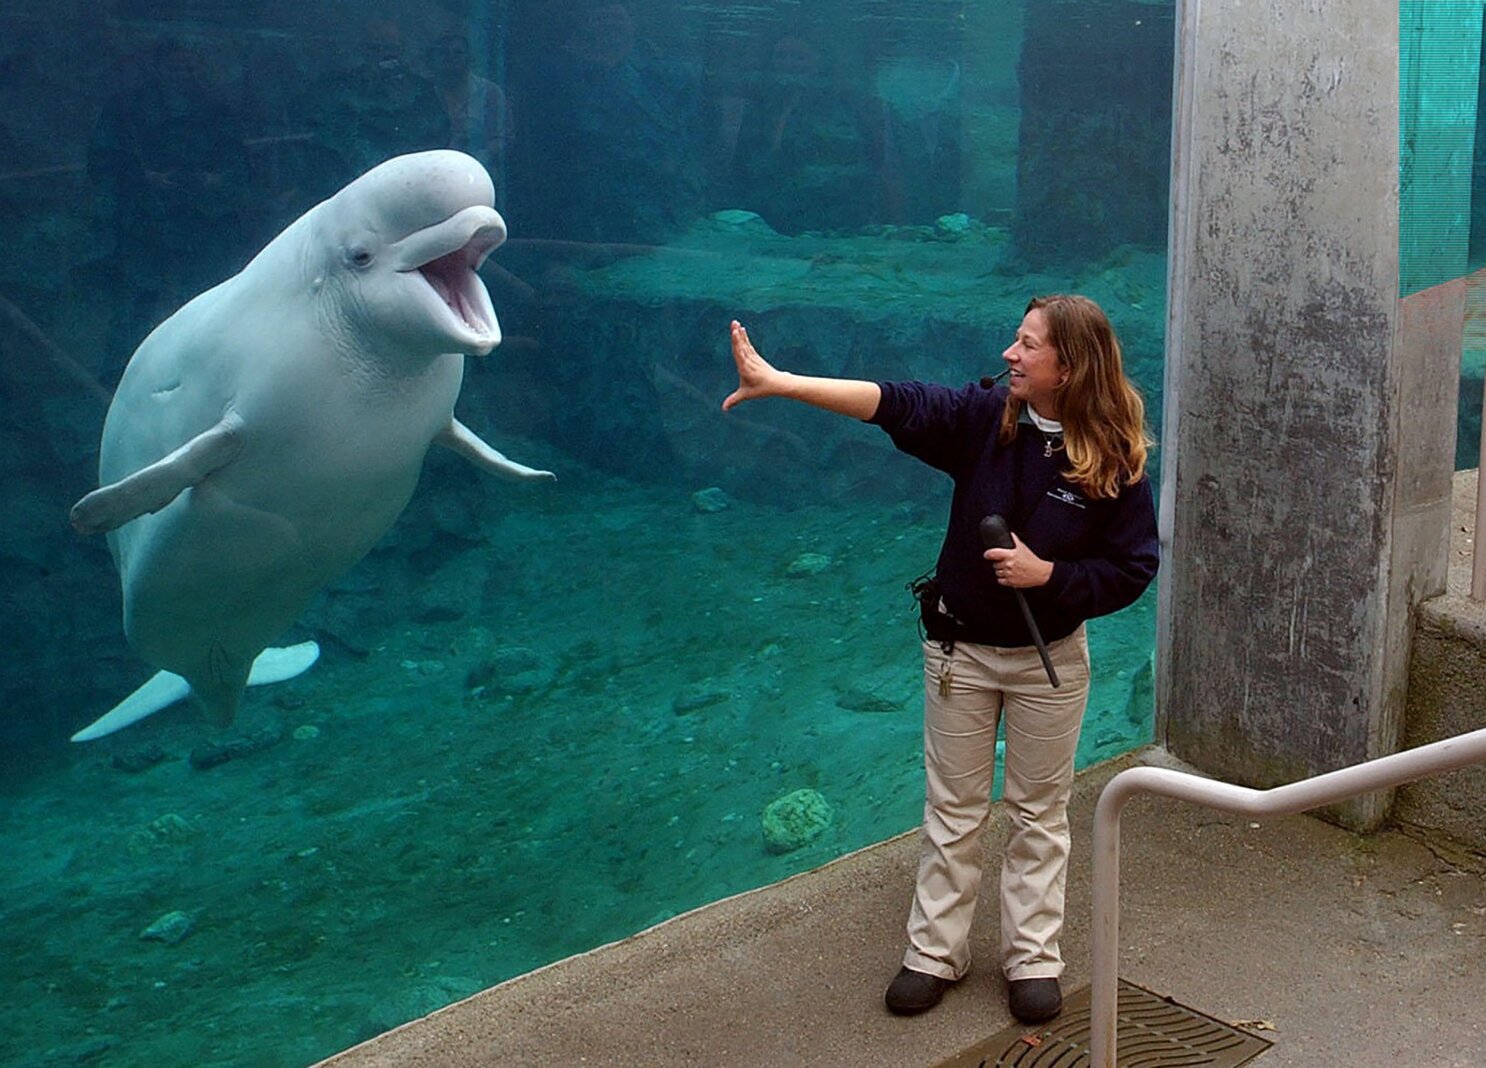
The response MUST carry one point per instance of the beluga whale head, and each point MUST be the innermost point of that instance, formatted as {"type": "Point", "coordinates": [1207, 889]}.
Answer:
{"type": "Point", "coordinates": [400, 249]}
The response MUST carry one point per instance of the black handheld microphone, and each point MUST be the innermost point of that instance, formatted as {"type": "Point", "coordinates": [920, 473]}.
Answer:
{"type": "Point", "coordinates": [994, 534]}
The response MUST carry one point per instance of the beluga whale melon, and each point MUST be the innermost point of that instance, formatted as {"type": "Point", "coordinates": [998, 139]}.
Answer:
{"type": "Point", "coordinates": [265, 436]}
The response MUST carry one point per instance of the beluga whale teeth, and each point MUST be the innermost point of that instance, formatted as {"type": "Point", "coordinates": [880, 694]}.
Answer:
{"type": "Point", "coordinates": [447, 255]}
{"type": "Point", "coordinates": [453, 278]}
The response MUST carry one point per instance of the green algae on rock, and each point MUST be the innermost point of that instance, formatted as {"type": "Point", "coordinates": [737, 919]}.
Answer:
{"type": "Point", "coordinates": [795, 820]}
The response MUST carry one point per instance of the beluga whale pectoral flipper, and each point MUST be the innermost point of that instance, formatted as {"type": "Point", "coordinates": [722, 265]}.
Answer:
{"type": "Point", "coordinates": [462, 440]}
{"type": "Point", "coordinates": [264, 437]}
{"type": "Point", "coordinates": [153, 487]}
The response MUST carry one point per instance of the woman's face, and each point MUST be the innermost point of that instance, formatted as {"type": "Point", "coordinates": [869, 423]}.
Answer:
{"type": "Point", "coordinates": [1036, 369]}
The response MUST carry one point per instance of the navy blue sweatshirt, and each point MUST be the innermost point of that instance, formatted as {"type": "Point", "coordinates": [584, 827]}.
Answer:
{"type": "Point", "coordinates": [1104, 551]}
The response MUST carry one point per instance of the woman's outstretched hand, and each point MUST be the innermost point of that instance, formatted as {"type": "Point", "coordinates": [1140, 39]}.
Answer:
{"type": "Point", "coordinates": [756, 376]}
{"type": "Point", "coordinates": [759, 378]}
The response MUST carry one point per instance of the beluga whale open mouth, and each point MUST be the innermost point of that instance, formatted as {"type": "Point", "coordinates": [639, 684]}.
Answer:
{"type": "Point", "coordinates": [447, 256]}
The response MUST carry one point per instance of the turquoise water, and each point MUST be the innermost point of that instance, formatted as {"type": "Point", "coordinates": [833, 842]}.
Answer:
{"type": "Point", "coordinates": [545, 716]}
{"type": "Point", "coordinates": [412, 838]}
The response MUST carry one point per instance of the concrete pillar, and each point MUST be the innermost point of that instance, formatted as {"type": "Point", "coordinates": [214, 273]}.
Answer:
{"type": "Point", "coordinates": [1306, 453]}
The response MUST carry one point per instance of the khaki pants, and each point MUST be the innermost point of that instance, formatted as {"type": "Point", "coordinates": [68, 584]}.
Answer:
{"type": "Point", "coordinates": [1042, 726]}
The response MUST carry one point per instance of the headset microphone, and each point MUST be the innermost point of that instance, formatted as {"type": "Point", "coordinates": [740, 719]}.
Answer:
{"type": "Point", "coordinates": [990, 380]}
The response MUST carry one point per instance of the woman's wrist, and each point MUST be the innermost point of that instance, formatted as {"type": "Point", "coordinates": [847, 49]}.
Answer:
{"type": "Point", "coordinates": [1050, 566]}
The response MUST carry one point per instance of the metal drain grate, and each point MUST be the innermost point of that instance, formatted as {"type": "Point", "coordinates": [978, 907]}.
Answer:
{"type": "Point", "coordinates": [1151, 1031]}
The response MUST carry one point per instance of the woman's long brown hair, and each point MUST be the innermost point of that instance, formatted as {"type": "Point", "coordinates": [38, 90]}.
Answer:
{"type": "Point", "coordinates": [1102, 413]}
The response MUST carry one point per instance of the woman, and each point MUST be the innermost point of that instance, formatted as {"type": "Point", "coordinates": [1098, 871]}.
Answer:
{"type": "Point", "coordinates": [1060, 453]}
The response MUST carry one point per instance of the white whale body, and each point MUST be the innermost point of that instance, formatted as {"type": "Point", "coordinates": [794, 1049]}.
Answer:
{"type": "Point", "coordinates": [264, 437]}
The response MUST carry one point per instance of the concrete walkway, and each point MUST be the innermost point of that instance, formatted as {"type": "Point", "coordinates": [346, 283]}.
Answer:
{"type": "Point", "coordinates": [1360, 952]}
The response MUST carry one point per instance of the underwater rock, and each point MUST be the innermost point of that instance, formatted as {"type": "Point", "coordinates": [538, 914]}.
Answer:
{"type": "Point", "coordinates": [807, 564]}
{"type": "Point", "coordinates": [214, 753]}
{"type": "Point", "coordinates": [710, 500]}
{"type": "Point", "coordinates": [307, 732]}
{"type": "Point", "coordinates": [289, 701]}
{"type": "Point", "coordinates": [695, 701]}
{"type": "Point", "coordinates": [856, 699]}
{"type": "Point", "coordinates": [349, 623]}
{"type": "Point", "coordinates": [955, 225]}
{"type": "Point", "coordinates": [426, 668]}
{"type": "Point", "coordinates": [795, 820]}
{"type": "Point", "coordinates": [457, 516]}
{"type": "Point", "coordinates": [86, 1052]}
{"type": "Point", "coordinates": [439, 613]}
{"type": "Point", "coordinates": [169, 928]}
{"type": "Point", "coordinates": [173, 829]}
{"type": "Point", "coordinates": [140, 758]}
{"type": "Point", "coordinates": [167, 830]}
{"type": "Point", "coordinates": [510, 670]}
{"type": "Point", "coordinates": [736, 219]}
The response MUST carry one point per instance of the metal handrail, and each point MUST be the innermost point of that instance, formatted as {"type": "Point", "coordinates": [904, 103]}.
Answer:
{"type": "Point", "coordinates": [1334, 786]}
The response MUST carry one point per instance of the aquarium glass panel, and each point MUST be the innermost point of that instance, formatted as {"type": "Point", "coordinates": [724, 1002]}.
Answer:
{"type": "Point", "coordinates": [1439, 80]}
{"type": "Point", "coordinates": [1463, 79]}
{"type": "Point", "coordinates": [538, 714]}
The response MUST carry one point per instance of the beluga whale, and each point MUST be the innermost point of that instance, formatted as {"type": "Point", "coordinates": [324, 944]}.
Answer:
{"type": "Point", "coordinates": [267, 434]}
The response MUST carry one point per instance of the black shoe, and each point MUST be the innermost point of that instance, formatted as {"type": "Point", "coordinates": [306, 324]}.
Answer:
{"type": "Point", "coordinates": [911, 992]}
{"type": "Point", "coordinates": [1034, 1000]}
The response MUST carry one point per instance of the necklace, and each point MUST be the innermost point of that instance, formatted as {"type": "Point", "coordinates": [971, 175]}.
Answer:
{"type": "Point", "coordinates": [1052, 431]}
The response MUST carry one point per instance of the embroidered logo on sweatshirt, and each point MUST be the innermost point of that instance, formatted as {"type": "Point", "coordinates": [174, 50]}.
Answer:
{"type": "Point", "coordinates": [1067, 496]}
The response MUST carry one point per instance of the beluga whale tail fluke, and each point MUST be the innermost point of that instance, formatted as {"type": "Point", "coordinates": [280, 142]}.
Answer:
{"type": "Point", "coordinates": [265, 436]}
{"type": "Point", "coordinates": [165, 688]}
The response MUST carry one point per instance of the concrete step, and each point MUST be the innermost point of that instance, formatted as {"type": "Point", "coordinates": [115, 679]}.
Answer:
{"type": "Point", "coordinates": [1447, 689]}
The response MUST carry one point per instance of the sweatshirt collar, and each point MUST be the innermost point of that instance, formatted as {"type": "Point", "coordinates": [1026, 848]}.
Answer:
{"type": "Point", "coordinates": [1047, 426]}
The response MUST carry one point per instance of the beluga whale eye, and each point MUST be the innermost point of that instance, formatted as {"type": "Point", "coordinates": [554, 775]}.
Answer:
{"type": "Point", "coordinates": [358, 256]}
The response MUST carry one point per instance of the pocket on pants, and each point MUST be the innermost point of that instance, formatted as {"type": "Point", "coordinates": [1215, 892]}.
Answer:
{"type": "Point", "coordinates": [936, 662]}
{"type": "Point", "coordinates": [1070, 657]}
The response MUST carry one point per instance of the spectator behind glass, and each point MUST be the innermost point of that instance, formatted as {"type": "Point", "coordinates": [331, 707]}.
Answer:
{"type": "Point", "coordinates": [920, 136]}
{"type": "Point", "coordinates": [615, 156]}
{"type": "Point", "coordinates": [803, 158]}
{"type": "Point", "coordinates": [168, 160]}
{"type": "Point", "coordinates": [361, 116]}
{"type": "Point", "coordinates": [480, 120]}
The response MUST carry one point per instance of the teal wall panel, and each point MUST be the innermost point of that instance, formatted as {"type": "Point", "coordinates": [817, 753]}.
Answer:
{"type": "Point", "coordinates": [1439, 71]}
